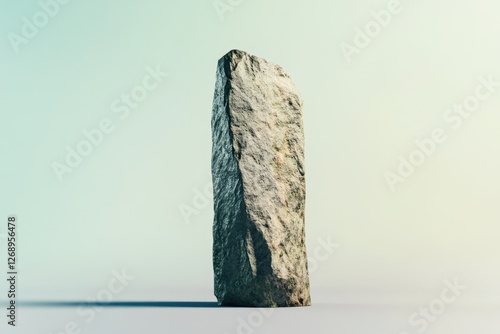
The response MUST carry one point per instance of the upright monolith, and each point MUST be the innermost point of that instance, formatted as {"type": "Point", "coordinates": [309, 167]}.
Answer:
{"type": "Point", "coordinates": [259, 251]}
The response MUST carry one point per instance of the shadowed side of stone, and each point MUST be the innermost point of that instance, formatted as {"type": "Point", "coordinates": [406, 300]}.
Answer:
{"type": "Point", "coordinates": [259, 252]}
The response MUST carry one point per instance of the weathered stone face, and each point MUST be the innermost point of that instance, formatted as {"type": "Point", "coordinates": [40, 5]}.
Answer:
{"type": "Point", "coordinates": [259, 252]}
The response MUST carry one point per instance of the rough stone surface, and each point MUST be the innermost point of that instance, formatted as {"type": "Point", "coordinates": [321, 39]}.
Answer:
{"type": "Point", "coordinates": [259, 252]}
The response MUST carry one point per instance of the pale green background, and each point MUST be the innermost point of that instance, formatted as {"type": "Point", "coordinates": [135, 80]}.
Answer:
{"type": "Point", "coordinates": [120, 207]}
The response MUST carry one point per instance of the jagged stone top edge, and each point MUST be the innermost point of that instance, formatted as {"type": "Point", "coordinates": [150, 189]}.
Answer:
{"type": "Point", "coordinates": [235, 56]}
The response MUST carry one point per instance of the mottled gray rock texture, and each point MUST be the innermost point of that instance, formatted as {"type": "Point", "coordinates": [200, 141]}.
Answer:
{"type": "Point", "coordinates": [259, 251]}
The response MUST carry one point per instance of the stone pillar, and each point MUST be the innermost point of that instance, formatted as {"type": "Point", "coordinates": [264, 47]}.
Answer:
{"type": "Point", "coordinates": [259, 251]}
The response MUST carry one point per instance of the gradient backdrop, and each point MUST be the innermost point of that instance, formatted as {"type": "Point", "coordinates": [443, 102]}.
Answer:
{"type": "Point", "coordinates": [137, 201]}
